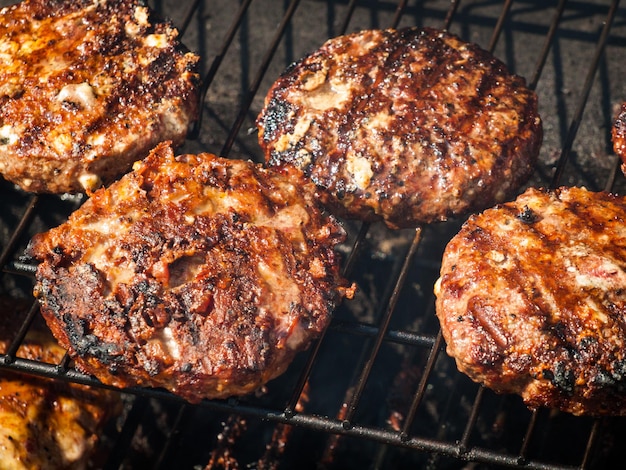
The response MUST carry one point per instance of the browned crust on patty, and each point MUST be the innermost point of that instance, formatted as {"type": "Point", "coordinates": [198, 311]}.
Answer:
{"type": "Point", "coordinates": [87, 88]}
{"type": "Point", "coordinates": [406, 126]}
{"type": "Point", "coordinates": [532, 296]}
{"type": "Point", "coordinates": [194, 273]}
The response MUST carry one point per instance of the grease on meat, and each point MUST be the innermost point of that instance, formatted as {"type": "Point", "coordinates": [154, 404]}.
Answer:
{"type": "Point", "coordinates": [87, 88]}
{"type": "Point", "coordinates": [407, 126]}
{"type": "Point", "coordinates": [195, 273]}
{"type": "Point", "coordinates": [532, 296]}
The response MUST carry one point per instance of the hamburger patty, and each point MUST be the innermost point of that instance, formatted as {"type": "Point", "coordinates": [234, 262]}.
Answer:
{"type": "Point", "coordinates": [619, 136]}
{"type": "Point", "coordinates": [532, 296]}
{"type": "Point", "coordinates": [194, 273]}
{"type": "Point", "coordinates": [46, 424]}
{"type": "Point", "coordinates": [87, 88]}
{"type": "Point", "coordinates": [406, 126]}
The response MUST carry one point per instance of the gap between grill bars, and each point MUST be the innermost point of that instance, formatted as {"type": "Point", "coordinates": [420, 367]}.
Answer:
{"type": "Point", "coordinates": [442, 420]}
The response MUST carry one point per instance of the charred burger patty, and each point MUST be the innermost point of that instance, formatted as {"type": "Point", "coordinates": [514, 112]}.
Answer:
{"type": "Point", "coordinates": [87, 88]}
{"type": "Point", "coordinates": [532, 296]}
{"type": "Point", "coordinates": [619, 136]}
{"type": "Point", "coordinates": [406, 126]}
{"type": "Point", "coordinates": [194, 273]}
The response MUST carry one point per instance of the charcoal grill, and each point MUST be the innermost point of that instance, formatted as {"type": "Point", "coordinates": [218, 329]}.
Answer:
{"type": "Point", "coordinates": [377, 390]}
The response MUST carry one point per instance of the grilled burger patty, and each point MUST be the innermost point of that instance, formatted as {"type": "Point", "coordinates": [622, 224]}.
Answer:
{"type": "Point", "coordinates": [198, 274]}
{"type": "Point", "coordinates": [619, 136]}
{"type": "Point", "coordinates": [532, 296]}
{"type": "Point", "coordinates": [409, 126]}
{"type": "Point", "coordinates": [86, 88]}
{"type": "Point", "coordinates": [46, 424]}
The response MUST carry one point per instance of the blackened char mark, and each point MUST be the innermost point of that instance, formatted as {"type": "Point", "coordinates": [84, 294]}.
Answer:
{"type": "Point", "coordinates": [86, 344]}
{"type": "Point", "coordinates": [275, 117]}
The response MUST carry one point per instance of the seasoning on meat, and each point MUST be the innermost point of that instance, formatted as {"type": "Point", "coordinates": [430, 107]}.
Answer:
{"type": "Point", "coordinates": [47, 424]}
{"type": "Point", "coordinates": [406, 126]}
{"type": "Point", "coordinates": [195, 273]}
{"type": "Point", "coordinates": [87, 88]}
{"type": "Point", "coordinates": [532, 296]}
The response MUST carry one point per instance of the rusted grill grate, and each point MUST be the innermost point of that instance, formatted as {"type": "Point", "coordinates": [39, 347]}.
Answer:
{"type": "Point", "coordinates": [376, 391]}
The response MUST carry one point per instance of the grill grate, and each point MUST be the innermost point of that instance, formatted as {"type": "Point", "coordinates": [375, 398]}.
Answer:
{"type": "Point", "coordinates": [376, 391]}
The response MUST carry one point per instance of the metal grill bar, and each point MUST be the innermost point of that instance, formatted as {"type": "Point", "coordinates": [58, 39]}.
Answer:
{"type": "Point", "coordinates": [254, 87]}
{"type": "Point", "coordinates": [217, 60]}
{"type": "Point", "coordinates": [593, 438]}
{"type": "Point", "coordinates": [582, 103]}
{"type": "Point", "coordinates": [178, 420]}
{"type": "Point", "coordinates": [193, 8]}
{"type": "Point", "coordinates": [421, 389]}
{"type": "Point", "coordinates": [399, 10]}
{"type": "Point", "coordinates": [532, 84]}
{"type": "Point", "coordinates": [499, 25]}
{"type": "Point", "coordinates": [464, 445]}
{"type": "Point", "coordinates": [391, 304]}
{"type": "Point", "coordinates": [523, 453]}
{"type": "Point", "coordinates": [21, 333]}
{"type": "Point", "coordinates": [126, 433]}
{"type": "Point", "coordinates": [454, 5]}
{"type": "Point", "coordinates": [319, 423]}
{"type": "Point", "coordinates": [9, 249]}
